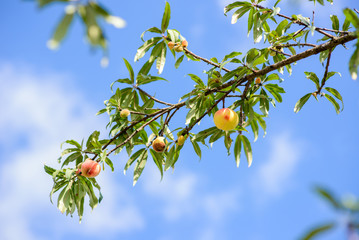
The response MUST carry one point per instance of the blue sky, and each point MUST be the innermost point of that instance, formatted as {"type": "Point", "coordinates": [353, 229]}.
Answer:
{"type": "Point", "coordinates": [49, 96]}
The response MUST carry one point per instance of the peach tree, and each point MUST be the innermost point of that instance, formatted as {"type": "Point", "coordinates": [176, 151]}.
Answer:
{"type": "Point", "coordinates": [238, 98]}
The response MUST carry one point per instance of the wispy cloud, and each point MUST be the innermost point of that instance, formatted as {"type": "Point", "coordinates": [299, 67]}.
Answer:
{"type": "Point", "coordinates": [39, 111]}
{"type": "Point", "coordinates": [274, 175]}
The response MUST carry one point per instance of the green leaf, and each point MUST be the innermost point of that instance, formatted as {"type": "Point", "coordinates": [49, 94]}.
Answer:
{"type": "Point", "coordinates": [354, 62]}
{"type": "Point", "coordinates": [140, 165]}
{"type": "Point", "coordinates": [197, 80]}
{"type": "Point", "coordinates": [229, 7]}
{"type": "Point", "coordinates": [170, 158]}
{"type": "Point", "coordinates": [335, 94]}
{"type": "Point", "coordinates": [247, 149]}
{"type": "Point", "coordinates": [239, 13]}
{"type": "Point", "coordinates": [166, 18]}
{"type": "Point", "coordinates": [313, 77]}
{"type": "Point", "coordinates": [148, 79]}
{"type": "Point", "coordinates": [153, 30]}
{"type": "Point", "coordinates": [317, 231]}
{"type": "Point", "coordinates": [179, 61]}
{"type": "Point", "coordinates": [43, 3]}
{"type": "Point", "coordinates": [352, 17]}
{"type": "Point", "coordinates": [158, 159]}
{"type": "Point", "coordinates": [133, 159]}
{"type": "Point", "coordinates": [49, 170]}
{"type": "Point", "coordinates": [196, 148]}
{"type": "Point", "coordinates": [328, 196]}
{"type": "Point", "coordinates": [130, 70]}
{"type": "Point", "coordinates": [335, 22]}
{"type": "Point", "coordinates": [61, 30]}
{"type": "Point", "coordinates": [301, 102]}
{"type": "Point", "coordinates": [238, 149]}
{"type": "Point", "coordinates": [335, 104]}
{"type": "Point", "coordinates": [275, 90]}
{"type": "Point", "coordinates": [71, 158]}
{"type": "Point", "coordinates": [109, 163]}
{"type": "Point", "coordinates": [162, 58]}
{"type": "Point", "coordinates": [145, 47]}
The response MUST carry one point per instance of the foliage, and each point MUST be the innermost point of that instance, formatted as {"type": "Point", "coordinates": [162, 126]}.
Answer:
{"type": "Point", "coordinates": [347, 208]}
{"type": "Point", "coordinates": [249, 89]}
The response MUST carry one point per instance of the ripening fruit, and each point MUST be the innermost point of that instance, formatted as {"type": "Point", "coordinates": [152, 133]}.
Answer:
{"type": "Point", "coordinates": [171, 45]}
{"type": "Point", "coordinates": [184, 43]}
{"type": "Point", "coordinates": [159, 144]}
{"type": "Point", "coordinates": [90, 168]}
{"type": "Point", "coordinates": [258, 80]}
{"type": "Point", "coordinates": [178, 48]}
{"type": "Point", "coordinates": [124, 113]}
{"type": "Point", "coordinates": [314, 94]}
{"type": "Point", "coordinates": [272, 53]}
{"type": "Point", "coordinates": [181, 139]}
{"type": "Point", "coordinates": [226, 119]}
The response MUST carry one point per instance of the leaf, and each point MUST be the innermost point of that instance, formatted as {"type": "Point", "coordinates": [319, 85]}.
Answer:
{"type": "Point", "coordinates": [335, 22]}
{"type": "Point", "coordinates": [130, 70]}
{"type": "Point", "coordinates": [247, 149]}
{"type": "Point", "coordinates": [161, 59]}
{"type": "Point", "coordinates": [166, 18]}
{"type": "Point", "coordinates": [318, 230]}
{"type": "Point", "coordinates": [335, 94]}
{"type": "Point", "coordinates": [229, 7]}
{"type": "Point", "coordinates": [170, 158]}
{"type": "Point", "coordinates": [140, 165]}
{"type": "Point", "coordinates": [133, 159]}
{"type": "Point", "coordinates": [145, 47]}
{"type": "Point", "coordinates": [49, 170]}
{"type": "Point", "coordinates": [335, 104]}
{"type": "Point", "coordinates": [313, 77]}
{"type": "Point", "coordinates": [238, 149]}
{"type": "Point", "coordinates": [43, 3]}
{"type": "Point", "coordinates": [196, 148]}
{"type": "Point", "coordinates": [61, 30]}
{"type": "Point", "coordinates": [354, 62]}
{"type": "Point", "coordinates": [239, 13]}
{"type": "Point", "coordinates": [158, 159]}
{"type": "Point", "coordinates": [328, 196]}
{"type": "Point", "coordinates": [179, 61]}
{"type": "Point", "coordinates": [71, 158]}
{"type": "Point", "coordinates": [152, 29]}
{"type": "Point", "coordinates": [301, 102]}
{"type": "Point", "coordinates": [352, 17]}
{"type": "Point", "coordinates": [197, 80]}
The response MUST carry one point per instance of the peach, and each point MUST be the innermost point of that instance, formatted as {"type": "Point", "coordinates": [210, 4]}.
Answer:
{"type": "Point", "coordinates": [184, 43]}
{"type": "Point", "coordinates": [90, 168]}
{"type": "Point", "coordinates": [180, 141]}
{"type": "Point", "coordinates": [258, 80]}
{"type": "Point", "coordinates": [124, 113]}
{"type": "Point", "coordinates": [178, 48]}
{"type": "Point", "coordinates": [226, 119]}
{"type": "Point", "coordinates": [159, 144]}
{"type": "Point", "coordinates": [171, 45]}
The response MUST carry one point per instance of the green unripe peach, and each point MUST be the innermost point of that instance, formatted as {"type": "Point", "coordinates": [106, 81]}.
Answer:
{"type": "Point", "coordinates": [226, 119]}
{"type": "Point", "coordinates": [90, 168]}
{"type": "Point", "coordinates": [181, 139]}
{"type": "Point", "coordinates": [124, 113]}
{"type": "Point", "coordinates": [159, 144]}
{"type": "Point", "coordinates": [178, 48]}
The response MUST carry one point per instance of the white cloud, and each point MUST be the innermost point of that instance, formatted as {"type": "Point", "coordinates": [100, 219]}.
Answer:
{"type": "Point", "coordinates": [39, 111]}
{"type": "Point", "coordinates": [183, 196]}
{"type": "Point", "coordinates": [275, 174]}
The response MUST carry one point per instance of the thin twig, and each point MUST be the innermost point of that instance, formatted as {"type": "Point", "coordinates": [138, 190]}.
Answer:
{"type": "Point", "coordinates": [325, 73]}
{"type": "Point", "coordinates": [153, 98]}
{"type": "Point", "coordinates": [205, 60]}
{"type": "Point", "coordinates": [296, 21]}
